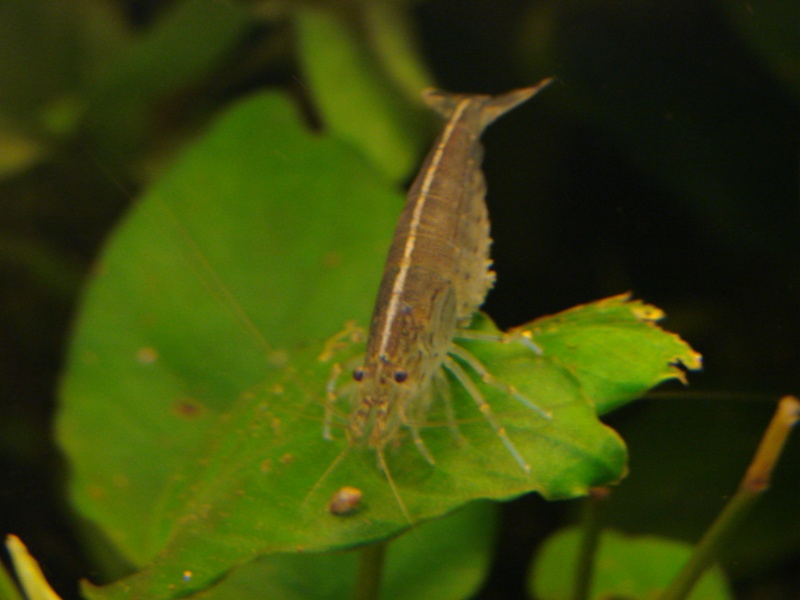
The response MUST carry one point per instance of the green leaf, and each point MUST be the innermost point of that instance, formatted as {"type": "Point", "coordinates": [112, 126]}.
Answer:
{"type": "Point", "coordinates": [615, 349]}
{"type": "Point", "coordinates": [626, 567]}
{"type": "Point", "coordinates": [461, 545]}
{"type": "Point", "coordinates": [262, 479]}
{"type": "Point", "coordinates": [355, 95]}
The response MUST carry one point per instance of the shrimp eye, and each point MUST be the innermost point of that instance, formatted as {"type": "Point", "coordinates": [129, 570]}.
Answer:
{"type": "Point", "coordinates": [358, 374]}
{"type": "Point", "coordinates": [400, 375]}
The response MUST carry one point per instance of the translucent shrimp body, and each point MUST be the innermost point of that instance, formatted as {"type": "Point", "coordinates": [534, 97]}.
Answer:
{"type": "Point", "coordinates": [436, 277]}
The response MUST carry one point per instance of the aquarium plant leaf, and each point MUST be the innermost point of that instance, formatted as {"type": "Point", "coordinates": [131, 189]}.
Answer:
{"type": "Point", "coordinates": [615, 348]}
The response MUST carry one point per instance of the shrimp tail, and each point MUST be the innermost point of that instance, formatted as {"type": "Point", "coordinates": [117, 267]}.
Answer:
{"type": "Point", "coordinates": [493, 106]}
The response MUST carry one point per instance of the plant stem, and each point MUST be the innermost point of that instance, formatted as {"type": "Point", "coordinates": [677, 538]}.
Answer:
{"type": "Point", "coordinates": [755, 483]}
{"type": "Point", "coordinates": [370, 571]}
{"type": "Point", "coordinates": [29, 572]}
{"type": "Point", "coordinates": [584, 570]}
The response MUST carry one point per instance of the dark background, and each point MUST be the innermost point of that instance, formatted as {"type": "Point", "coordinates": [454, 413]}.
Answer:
{"type": "Point", "coordinates": [662, 161]}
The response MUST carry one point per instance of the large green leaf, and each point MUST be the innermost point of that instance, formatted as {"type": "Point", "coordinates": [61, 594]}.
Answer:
{"type": "Point", "coordinates": [261, 481]}
{"type": "Point", "coordinates": [194, 398]}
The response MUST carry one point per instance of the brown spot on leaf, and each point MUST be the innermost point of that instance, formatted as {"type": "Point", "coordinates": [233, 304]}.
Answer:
{"type": "Point", "coordinates": [147, 355]}
{"type": "Point", "coordinates": [188, 408]}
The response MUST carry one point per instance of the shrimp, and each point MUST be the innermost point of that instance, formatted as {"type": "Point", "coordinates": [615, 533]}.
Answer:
{"type": "Point", "coordinates": [437, 275]}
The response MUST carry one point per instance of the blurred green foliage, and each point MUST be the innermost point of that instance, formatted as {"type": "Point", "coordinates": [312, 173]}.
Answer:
{"type": "Point", "coordinates": [619, 572]}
